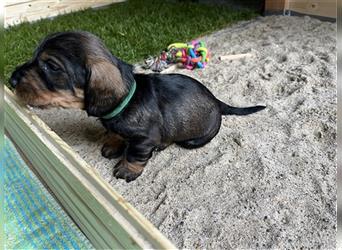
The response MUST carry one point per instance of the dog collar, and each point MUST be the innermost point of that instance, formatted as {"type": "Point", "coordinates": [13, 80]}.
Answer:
{"type": "Point", "coordinates": [123, 104]}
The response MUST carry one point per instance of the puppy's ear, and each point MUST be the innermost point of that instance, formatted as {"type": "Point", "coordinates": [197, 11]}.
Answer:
{"type": "Point", "coordinates": [104, 88]}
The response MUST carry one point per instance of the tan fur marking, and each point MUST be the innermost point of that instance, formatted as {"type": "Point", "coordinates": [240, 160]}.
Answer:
{"type": "Point", "coordinates": [30, 87]}
{"type": "Point", "coordinates": [114, 141]}
{"type": "Point", "coordinates": [44, 98]}
{"type": "Point", "coordinates": [45, 57]}
{"type": "Point", "coordinates": [64, 99]}
{"type": "Point", "coordinates": [134, 167]}
{"type": "Point", "coordinates": [32, 91]}
{"type": "Point", "coordinates": [106, 77]}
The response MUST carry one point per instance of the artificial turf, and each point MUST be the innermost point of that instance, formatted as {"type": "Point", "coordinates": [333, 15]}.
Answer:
{"type": "Point", "coordinates": [131, 30]}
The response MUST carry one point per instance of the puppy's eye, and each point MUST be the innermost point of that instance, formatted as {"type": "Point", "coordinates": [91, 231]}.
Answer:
{"type": "Point", "coordinates": [52, 66]}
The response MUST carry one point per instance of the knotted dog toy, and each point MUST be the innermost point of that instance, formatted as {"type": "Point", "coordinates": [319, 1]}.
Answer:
{"type": "Point", "coordinates": [192, 55]}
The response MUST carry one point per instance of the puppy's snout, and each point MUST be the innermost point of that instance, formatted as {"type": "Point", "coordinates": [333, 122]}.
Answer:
{"type": "Point", "coordinates": [17, 75]}
{"type": "Point", "coordinates": [14, 81]}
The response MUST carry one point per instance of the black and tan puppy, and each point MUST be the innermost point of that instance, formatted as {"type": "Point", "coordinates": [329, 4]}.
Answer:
{"type": "Point", "coordinates": [142, 112]}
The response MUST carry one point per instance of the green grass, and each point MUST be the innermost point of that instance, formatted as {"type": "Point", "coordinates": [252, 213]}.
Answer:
{"type": "Point", "coordinates": [131, 30]}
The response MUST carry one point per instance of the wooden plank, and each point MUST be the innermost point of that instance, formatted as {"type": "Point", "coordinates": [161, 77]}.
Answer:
{"type": "Point", "coordinates": [14, 2]}
{"type": "Point", "coordinates": [33, 169]}
{"type": "Point", "coordinates": [325, 8]}
{"type": "Point", "coordinates": [100, 212]}
{"type": "Point", "coordinates": [99, 239]}
{"type": "Point", "coordinates": [235, 57]}
{"type": "Point", "coordinates": [18, 11]}
{"type": "Point", "coordinates": [274, 6]}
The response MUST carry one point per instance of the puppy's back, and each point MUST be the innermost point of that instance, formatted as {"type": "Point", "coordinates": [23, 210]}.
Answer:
{"type": "Point", "coordinates": [188, 108]}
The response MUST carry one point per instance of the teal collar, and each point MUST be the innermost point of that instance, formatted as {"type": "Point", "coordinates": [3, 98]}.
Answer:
{"type": "Point", "coordinates": [122, 105]}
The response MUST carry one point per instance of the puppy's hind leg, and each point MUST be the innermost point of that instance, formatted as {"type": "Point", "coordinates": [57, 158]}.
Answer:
{"type": "Point", "coordinates": [214, 127]}
{"type": "Point", "coordinates": [113, 147]}
{"type": "Point", "coordinates": [197, 142]}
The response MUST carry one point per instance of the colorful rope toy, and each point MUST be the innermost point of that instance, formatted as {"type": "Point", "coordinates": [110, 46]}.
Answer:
{"type": "Point", "coordinates": [191, 55]}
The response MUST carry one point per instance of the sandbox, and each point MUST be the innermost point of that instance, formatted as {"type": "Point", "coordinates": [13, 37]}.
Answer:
{"type": "Point", "coordinates": [266, 180]}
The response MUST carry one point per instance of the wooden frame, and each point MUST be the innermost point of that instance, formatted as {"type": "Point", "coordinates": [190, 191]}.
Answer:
{"type": "Point", "coordinates": [101, 213]}
{"type": "Point", "coordinates": [324, 8]}
{"type": "Point", "coordinates": [319, 8]}
{"type": "Point", "coordinates": [274, 6]}
{"type": "Point", "coordinates": [18, 11]}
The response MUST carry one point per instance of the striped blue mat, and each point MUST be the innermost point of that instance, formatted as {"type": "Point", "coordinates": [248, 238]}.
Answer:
{"type": "Point", "coordinates": [33, 219]}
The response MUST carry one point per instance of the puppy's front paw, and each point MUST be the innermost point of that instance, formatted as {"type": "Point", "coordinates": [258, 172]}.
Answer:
{"type": "Point", "coordinates": [111, 152]}
{"type": "Point", "coordinates": [127, 170]}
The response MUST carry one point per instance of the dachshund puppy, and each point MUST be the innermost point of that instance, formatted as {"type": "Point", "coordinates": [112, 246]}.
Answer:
{"type": "Point", "coordinates": [142, 112]}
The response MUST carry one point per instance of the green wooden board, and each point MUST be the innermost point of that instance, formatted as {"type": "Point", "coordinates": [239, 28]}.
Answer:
{"type": "Point", "coordinates": [103, 215]}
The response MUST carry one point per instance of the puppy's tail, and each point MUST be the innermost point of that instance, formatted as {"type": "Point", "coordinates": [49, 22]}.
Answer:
{"type": "Point", "coordinates": [229, 110]}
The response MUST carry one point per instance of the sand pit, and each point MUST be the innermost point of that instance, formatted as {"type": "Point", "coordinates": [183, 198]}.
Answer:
{"type": "Point", "coordinates": [267, 180]}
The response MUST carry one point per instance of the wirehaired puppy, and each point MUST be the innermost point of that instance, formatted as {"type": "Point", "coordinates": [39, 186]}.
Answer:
{"type": "Point", "coordinates": [141, 112]}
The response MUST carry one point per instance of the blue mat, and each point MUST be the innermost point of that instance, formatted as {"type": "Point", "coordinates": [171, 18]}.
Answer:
{"type": "Point", "coordinates": [33, 219]}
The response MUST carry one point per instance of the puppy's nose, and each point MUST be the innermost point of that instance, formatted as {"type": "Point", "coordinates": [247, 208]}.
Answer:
{"type": "Point", "coordinates": [19, 73]}
{"type": "Point", "coordinates": [16, 77]}
{"type": "Point", "coordinates": [13, 81]}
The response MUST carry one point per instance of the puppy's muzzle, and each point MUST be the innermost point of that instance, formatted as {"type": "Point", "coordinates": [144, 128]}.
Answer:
{"type": "Point", "coordinates": [15, 79]}
{"type": "Point", "coordinates": [17, 75]}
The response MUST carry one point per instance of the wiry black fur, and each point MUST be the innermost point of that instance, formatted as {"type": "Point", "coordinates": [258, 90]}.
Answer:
{"type": "Point", "coordinates": [170, 108]}
{"type": "Point", "coordinates": [165, 108]}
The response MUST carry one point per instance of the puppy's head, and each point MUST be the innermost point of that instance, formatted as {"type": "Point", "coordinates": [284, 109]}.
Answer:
{"type": "Point", "coordinates": [73, 70]}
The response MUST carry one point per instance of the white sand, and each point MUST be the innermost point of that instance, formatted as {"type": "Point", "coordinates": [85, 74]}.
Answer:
{"type": "Point", "coordinates": [266, 180]}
